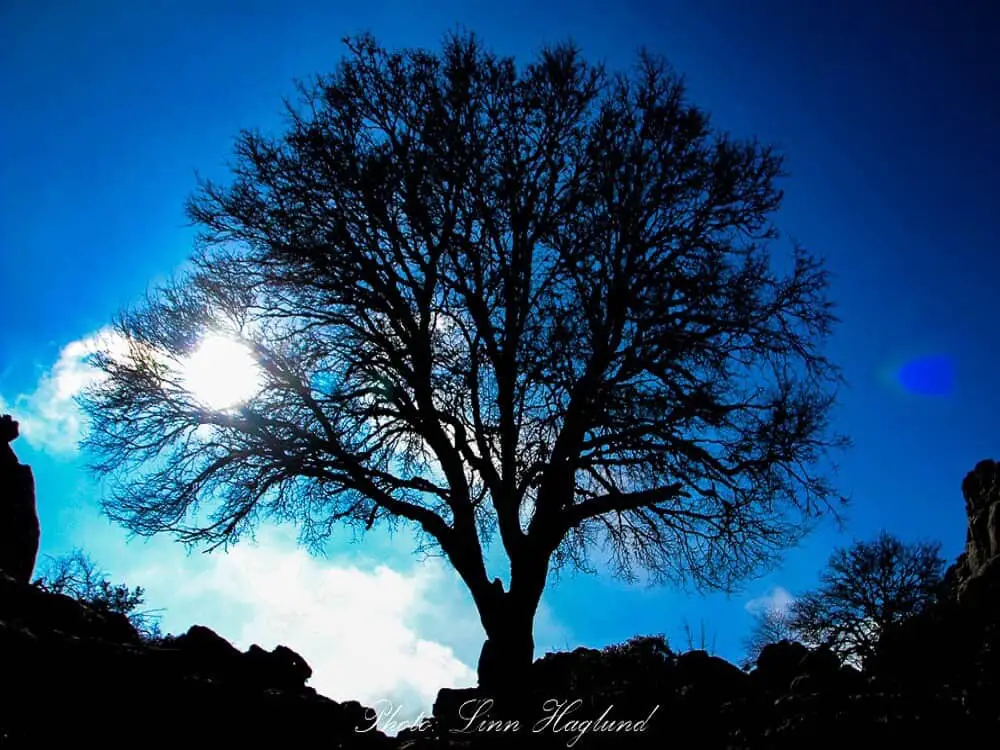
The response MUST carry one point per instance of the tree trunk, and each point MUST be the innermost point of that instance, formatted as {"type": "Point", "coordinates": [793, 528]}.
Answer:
{"type": "Point", "coordinates": [509, 649]}
{"type": "Point", "coordinates": [508, 619]}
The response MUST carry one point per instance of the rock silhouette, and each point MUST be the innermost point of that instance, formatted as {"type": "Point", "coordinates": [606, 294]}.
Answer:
{"type": "Point", "coordinates": [936, 679]}
{"type": "Point", "coordinates": [19, 528]}
{"type": "Point", "coordinates": [981, 489]}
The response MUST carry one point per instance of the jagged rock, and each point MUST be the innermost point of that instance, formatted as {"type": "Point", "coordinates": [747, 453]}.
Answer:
{"type": "Point", "coordinates": [208, 647]}
{"type": "Point", "coordinates": [804, 684]}
{"type": "Point", "coordinates": [778, 664]}
{"type": "Point", "coordinates": [852, 679]}
{"type": "Point", "coordinates": [576, 671]}
{"type": "Point", "coordinates": [281, 668]}
{"type": "Point", "coordinates": [981, 489]}
{"type": "Point", "coordinates": [44, 612]}
{"type": "Point", "coordinates": [447, 710]}
{"type": "Point", "coordinates": [821, 671]}
{"type": "Point", "coordinates": [710, 675]}
{"type": "Point", "coordinates": [213, 654]}
{"type": "Point", "coordinates": [19, 529]}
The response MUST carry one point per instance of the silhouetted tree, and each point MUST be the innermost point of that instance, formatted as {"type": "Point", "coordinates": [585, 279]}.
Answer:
{"type": "Point", "coordinates": [78, 576]}
{"type": "Point", "coordinates": [865, 589]}
{"type": "Point", "coordinates": [532, 301]}
{"type": "Point", "coordinates": [771, 624]}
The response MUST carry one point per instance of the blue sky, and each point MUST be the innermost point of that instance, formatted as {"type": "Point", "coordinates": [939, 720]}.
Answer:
{"type": "Point", "coordinates": [886, 111]}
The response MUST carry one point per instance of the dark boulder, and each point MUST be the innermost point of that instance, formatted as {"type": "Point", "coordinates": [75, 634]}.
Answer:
{"type": "Point", "coordinates": [711, 678]}
{"type": "Point", "coordinates": [778, 664]}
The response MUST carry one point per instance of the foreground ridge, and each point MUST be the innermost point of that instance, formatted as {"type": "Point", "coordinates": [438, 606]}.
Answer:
{"type": "Point", "coordinates": [72, 669]}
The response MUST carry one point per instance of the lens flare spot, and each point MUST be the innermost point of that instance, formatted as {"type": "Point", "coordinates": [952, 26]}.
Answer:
{"type": "Point", "coordinates": [928, 376]}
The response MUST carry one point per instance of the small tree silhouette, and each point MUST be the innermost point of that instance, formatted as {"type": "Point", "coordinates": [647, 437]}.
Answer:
{"type": "Point", "coordinates": [537, 303]}
{"type": "Point", "coordinates": [77, 575]}
{"type": "Point", "coordinates": [771, 624]}
{"type": "Point", "coordinates": [865, 589]}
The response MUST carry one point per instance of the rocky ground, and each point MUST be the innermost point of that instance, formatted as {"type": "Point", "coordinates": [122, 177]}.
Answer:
{"type": "Point", "coordinates": [72, 673]}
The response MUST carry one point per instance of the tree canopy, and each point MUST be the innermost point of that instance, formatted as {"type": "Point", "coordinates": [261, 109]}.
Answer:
{"type": "Point", "coordinates": [535, 302]}
{"type": "Point", "coordinates": [865, 589]}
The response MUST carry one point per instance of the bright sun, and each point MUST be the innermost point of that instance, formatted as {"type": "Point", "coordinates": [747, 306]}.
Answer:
{"type": "Point", "coordinates": [221, 373]}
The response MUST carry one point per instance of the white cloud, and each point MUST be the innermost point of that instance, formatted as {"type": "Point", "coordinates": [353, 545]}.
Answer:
{"type": "Point", "coordinates": [777, 599]}
{"type": "Point", "coordinates": [355, 627]}
{"type": "Point", "coordinates": [370, 632]}
{"type": "Point", "coordinates": [396, 630]}
{"type": "Point", "coordinates": [49, 417]}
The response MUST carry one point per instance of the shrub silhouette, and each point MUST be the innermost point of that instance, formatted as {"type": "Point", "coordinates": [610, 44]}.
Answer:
{"type": "Point", "coordinates": [79, 577]}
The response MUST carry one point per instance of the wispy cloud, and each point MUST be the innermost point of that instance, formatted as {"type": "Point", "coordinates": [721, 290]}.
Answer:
{"type": "Point", "coordinates": [777, 599]}
{"type": "Point", "coordinates": [49, 416]}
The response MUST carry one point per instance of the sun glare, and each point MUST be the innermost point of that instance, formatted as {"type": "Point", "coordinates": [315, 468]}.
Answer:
{"type": "Point", "coordinates": [221, 373]}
